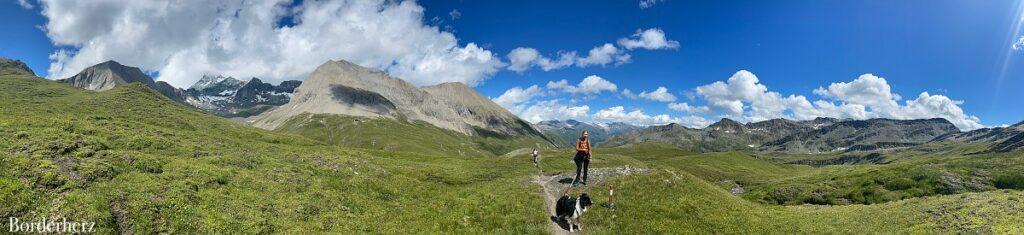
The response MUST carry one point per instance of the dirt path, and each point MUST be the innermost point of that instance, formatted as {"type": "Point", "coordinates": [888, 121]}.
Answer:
{"type": "Point", "coordinates": [554, 186]}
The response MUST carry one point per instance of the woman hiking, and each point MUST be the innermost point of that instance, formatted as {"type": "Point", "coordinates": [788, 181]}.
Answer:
{"type": "Point", "coordinates": [582, 158]}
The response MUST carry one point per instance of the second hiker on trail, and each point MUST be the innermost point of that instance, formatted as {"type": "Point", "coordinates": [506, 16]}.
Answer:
{"type": "Point", "coordinates": [582, 158]}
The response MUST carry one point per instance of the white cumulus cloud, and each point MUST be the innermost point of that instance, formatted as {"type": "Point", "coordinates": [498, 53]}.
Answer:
{"type": "Point", "coordinates": [590, 85]}
{"type": "Point", "coordinates": [516, 96]}
{"type": "Point", "coordinates": [687, 108]}
{"type": "Point", "coordinates": [868, 90]}
{"type": "Point", "coordinates": [651, 39]}
{"type": "Point", "coordinates": [184, 40]}
{"type": "Point", "coordinates": [940, 106]}
{"type": "Point", "coordinates": [603, 55]}
{"type": "Point", "coordinates": [660, 94]}
{"type": "Point", "coordinates": [743, 97]}
{"type": "Point", "coordinates": [552, 110]}
{"type": "Point", "coordinates": [524, 58]}
{"type": "Point", "coordinates": [636, 117]}
{"type": "Point", "coordinates": [741, 91]}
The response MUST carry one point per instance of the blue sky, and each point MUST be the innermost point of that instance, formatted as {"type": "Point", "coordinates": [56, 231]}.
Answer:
{"type": "Point", "coordinates": [960, 50]}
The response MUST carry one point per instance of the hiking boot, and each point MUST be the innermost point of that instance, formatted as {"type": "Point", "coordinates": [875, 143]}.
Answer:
{"type": "Point", "coordinates": [584, 182]}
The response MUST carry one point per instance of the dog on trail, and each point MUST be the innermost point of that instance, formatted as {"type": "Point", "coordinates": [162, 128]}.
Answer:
{"type": "Point", "coordinates": [570, 209]}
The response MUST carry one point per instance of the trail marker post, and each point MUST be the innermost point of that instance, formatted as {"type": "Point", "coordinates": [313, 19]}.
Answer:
{"type": "Point", "coordinates": [611, 196]}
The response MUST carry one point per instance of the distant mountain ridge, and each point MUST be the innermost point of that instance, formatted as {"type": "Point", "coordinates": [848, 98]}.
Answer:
{"type": "Point", "coordinates": [230, 97]}
{"type": "Point", "coordinates": [567, 131]}
{"type": "Point", "coordinates": [864, 134]}
{"type": "Point", "coordinates": [817, 135]}
{"type": "Point", "coordinates": [998, 139]}
{"type": "Point", "coordinates": [14, 66]}
{"type": "Point", "coordinates": [221, 96]}
{"type": "Point", "coordinates": [344, 88]}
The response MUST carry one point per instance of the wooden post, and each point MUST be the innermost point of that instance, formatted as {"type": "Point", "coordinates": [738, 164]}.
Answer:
{"type": "Point", "coordinates": [611, 196]}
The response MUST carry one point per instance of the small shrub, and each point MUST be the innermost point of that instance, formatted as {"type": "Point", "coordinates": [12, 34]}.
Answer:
{"type": "Point", "coordinates": [900, 184]}
{"type": "Point", "coordinates": [51, 179]}
{"type": "Point", "coordinates": [785, 195]}
{"type": "Point", "coordinates": [1010, 182]}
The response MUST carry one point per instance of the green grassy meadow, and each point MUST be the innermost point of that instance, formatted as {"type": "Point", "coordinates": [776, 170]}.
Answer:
{"type": "Point", "coordinates": [133, 161]}
{"type": "Point", "coordinates": [402, 136]}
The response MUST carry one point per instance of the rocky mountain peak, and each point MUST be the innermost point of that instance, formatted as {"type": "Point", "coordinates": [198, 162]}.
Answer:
{"type": "Point", "coordinates": [342, 87]}
{"type": "Point", "coordinates": [107, 75]}
{"type": "Point", "coordinates": [14, 65]}
{"type": "Point", "coordinates": [218, 82]}
{"type": "Point", "coordinates": [726, 125]}
{"type": "Point", "coordinates": [230, 97]}
{"type": "Point", "coordinates": [825, 120]}
{"type": "Point", "coordinates": [288, 86]}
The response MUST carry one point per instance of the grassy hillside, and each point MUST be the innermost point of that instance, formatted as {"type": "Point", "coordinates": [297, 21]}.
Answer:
{"type": "Point", "coordinates": [672, 201]}
{"type": "Point", "coordinates": [402, 135]}
{"type": "Point", "coordinates": [903, 178]}
{"type": "Point", "coordinates": [134, 161]}
{"type": "Point", "coordinates": [684, 192]}
{"type": "Point", "coordinates": [131, 160]}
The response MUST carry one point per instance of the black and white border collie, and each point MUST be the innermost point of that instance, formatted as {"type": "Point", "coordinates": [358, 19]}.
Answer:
{"type": "Point", "coordinates": [570, 209]}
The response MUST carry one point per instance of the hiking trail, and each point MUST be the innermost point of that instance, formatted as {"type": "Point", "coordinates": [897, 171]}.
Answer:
{"type": "Point", "coordinates": [553, 186]}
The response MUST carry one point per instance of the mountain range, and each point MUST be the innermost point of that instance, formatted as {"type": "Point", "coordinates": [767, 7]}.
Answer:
{"type": "Point", "coordinates": [998, 139]}
{"type": "Point", "coordinates": [230, 97]}
{"type": "Point", "coordinates": [336, 87]}
{"type": "Point", "coordinates": [344, 88]}
{"type": "Point", "coordinates": [783, 135]}
{"type": "Point", "coordinates": [221, 96]}
{"type": "Point", "coordinates": [568, 131]}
